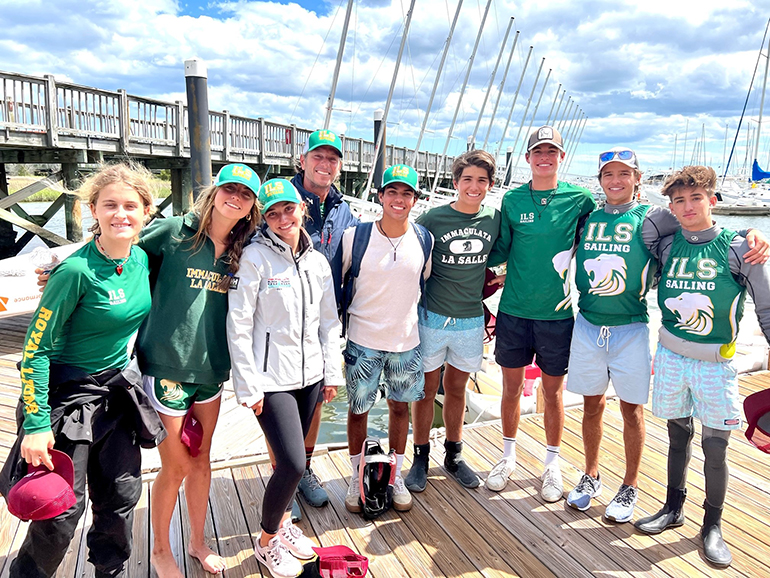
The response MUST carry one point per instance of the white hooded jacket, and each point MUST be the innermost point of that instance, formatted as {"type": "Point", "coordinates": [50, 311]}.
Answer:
{"type": "Point", "coordinates": [282, 325]}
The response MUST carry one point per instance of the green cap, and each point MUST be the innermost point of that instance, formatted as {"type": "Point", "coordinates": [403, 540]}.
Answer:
{"type": "Point", "coordinates": [400, 174]}
{"type": "Point", "coordinates": [275, 191]}
{"type": "Point", "coordinates": [238, 173]}
{"type": "Point", "coordinates": [323, 138]}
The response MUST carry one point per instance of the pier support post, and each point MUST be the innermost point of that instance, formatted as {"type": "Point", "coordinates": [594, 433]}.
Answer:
{"type": "Point", "coordinates": [198, 120]}
{"type": "Point", "coordinates": [7, 236]}
{"type": "Point", "coordinates": [181, 191]}
{"type": "Point", "coordinates": [72, 215]}
{"type": "Point", "coordinates": [379, 161]}
{"type": "Point", "coordinates": [508, 165]}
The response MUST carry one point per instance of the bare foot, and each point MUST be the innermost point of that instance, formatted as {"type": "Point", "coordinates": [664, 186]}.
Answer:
{"type": "Point", "coordinates": [212, 562]}
{"type": "Point", "coordinates": [165, 565]}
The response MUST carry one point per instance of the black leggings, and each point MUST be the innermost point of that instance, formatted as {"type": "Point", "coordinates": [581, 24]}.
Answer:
{"type": "Point", "coordinates": [285, 419]}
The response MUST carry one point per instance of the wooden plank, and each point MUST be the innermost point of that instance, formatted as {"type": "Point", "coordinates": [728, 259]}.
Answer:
{"type": "Point", "coordinates": [234, 539]}
{"type": "Point", "coordinates": [543, 527]}
{"type": "Point", "coordinates": [334, 469]}
{"type": "Point", "coordinates": [74, 560]}
{"type": "Point", "coordinates": [743, 529]}
{"type": "Point", "coordinates": [51, 238]}
{"type": "Point", "coordinates": [31, 189]}
{"type": "Point", "coordinates": [175, 536]}
{"type": "Point", "coordinates": [9, 526]}
{"type": "Point", "coordinates": [675, 552]}
{"type": "Point", "coordinates": [489, 544]}
{"type": "Point", "coordinates": [194, 568]}
{"type": "Point", "coordinates": [653, 472]}
{"type": "Point", "coordinates": [139, 563]}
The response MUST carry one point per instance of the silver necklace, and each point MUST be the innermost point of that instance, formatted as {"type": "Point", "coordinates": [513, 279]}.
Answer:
{"type": "Point", "coordinates": [395, 247]}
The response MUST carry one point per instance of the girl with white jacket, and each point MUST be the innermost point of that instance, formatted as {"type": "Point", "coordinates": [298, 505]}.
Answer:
{"type": "Point", "coordinates": [284, 340]}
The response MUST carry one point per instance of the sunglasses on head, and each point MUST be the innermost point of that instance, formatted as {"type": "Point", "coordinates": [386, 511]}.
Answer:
{"type": "Point", "coordinates": [622, 155]}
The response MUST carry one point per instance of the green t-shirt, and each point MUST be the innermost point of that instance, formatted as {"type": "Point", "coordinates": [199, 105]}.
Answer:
{"type": "Point", "coordinates": [460, 251]}
{"type": "Point", "coordinates": [699, 298]}
{"type": "Point", "coordinates": [614, 268]}
{"type": "Point", "coordinates": [86, 318]}
{"type": "Point", "coordinates": [184, 338]}
{"type": "Point", "coordinates": [537, 236]}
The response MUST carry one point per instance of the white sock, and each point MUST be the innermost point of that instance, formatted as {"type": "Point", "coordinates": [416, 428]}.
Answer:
{"type": "Point", "coordinates": [355, 461]}
{"type": "Point", "coordinates": [509, 448]}
{"type": "Point", "coordinates": [399, 464]}
{"type": "Point", "coordinates": [552, 455]}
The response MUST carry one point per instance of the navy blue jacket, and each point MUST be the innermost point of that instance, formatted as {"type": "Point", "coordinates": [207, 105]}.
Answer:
{"type": "Point", "coordinates": [326, 232]}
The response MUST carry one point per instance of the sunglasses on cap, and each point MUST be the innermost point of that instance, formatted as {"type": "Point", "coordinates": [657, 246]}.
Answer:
{"type": "Point", "coordinates": [625, 155]}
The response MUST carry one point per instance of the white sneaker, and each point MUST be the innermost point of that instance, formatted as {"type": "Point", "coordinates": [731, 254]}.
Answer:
{"type": "Point", "coordinates": [553, 489]}
{"type": "Point", "coordinates": [298, 544]}
{"type": "Point", "coordinates": [277, 559]}
{"type": "Point", "coordinates": [498, 477]}
{"type": "Point", "coordinates": [621, 508]}
{"type": "Point", "coordinates": [353, 497]}
{"type": "Point", "coordinates": [402, 499]}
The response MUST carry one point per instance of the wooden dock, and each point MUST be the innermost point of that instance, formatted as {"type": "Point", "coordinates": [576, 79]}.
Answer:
{"type": "Point", "coordinates": [452, 531]}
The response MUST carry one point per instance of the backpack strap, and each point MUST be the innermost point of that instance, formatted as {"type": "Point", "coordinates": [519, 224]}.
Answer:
{"type": "Point", "coordinates": [425, 242]}
{"type": "Point", "coordinates": [360, 241]}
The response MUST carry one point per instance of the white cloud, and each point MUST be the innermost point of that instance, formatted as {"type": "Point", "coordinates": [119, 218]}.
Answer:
{"type": "Point", "coordinates": [639, 70]}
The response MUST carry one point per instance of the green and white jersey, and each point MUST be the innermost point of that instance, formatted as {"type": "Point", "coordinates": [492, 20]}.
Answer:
{"type": "Point", "coordinates": [699, 298]}
{"type": "Point", "coordinates": [86, 318]}
{"type": "Point", "coordinates": [537, 237]}
{"type": "Point", "coordinates": [614, 267]}
{"type": "Point", "coordinates": [460, 252]}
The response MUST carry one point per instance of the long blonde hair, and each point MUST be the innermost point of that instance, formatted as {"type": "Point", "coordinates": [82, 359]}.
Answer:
{"type": "Point", "coordinates": [239, 234]}
{"type": "Point", "coordinates": [132, 174]}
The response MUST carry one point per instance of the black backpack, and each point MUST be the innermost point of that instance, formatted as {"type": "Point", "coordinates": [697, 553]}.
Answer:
{"type": "Point", "coordinates": [376, 474]}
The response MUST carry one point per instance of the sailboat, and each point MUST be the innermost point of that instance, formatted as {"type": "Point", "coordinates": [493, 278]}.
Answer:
{"type": "Point", "coordinates": [737, 199]}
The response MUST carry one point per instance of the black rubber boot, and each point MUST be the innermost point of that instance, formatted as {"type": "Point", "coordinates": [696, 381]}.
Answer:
{"type": "Point", "coordinates": [417, 478]}
{"type": "Point", "coordinates": [714, 548]}
{"type": "Point", "coordinates": [671, 515]}
{"type": "Point", "coordinates": [456, 467]}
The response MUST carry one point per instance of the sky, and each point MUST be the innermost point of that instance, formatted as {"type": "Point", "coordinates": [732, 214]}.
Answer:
{"type": "Point", "coordinates": [659, 76]}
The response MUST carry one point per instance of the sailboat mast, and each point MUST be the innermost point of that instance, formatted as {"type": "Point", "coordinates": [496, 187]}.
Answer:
{"type": "Point", "coordinates": [523, 118]}
{"type": "Point", "coordinates": [762, 100]}
{"type": "Point", "coordinates": [438, 77]}
{"type": "Point", "coordinates": [555, 98]}
{"type": "Point", "coordinates": [673, 159]}
{"type": "Point", "coordinates": [531, 120]}
{"type": "Point", "coordinates": [577, 142]}
{"type": "Point", "coordinates": [515, 97]}
{"type": "Point", "coordinates": [378, 144]}
{"type": "Point", "coordinates": [462, 93]}
{"type": "Point", "coordinates": [491, 81]}
{"type": "Point", "coordinates": [335, 77]}
{"type": "Point", "coordinates": [684, 146]}
{"type": "Point", "coordinates": [724, 148]}
{"type": "Point", "coordinates": [572, 143]}
{"type": "Point", "coordinates": [558, 108]}
{"type": "Point", "coordinates": [500, 90]}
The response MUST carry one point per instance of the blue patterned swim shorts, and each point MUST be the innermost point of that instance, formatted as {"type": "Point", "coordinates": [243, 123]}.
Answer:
{"type": "Point", "coordinates": [400, 373]}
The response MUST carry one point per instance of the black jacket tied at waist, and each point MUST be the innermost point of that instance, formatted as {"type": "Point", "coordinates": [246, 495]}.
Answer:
{"type": "Point", "coordinates": [78, 398]}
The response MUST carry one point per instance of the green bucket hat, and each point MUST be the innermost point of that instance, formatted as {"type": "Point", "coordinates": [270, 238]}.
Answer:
{"type": "Point", "coordinates": [323, 138]}
{"type": "Point", "coordinates": [275, 191]}
{"type": "Point", "coordinates": [238, 173]}
{"type": "Point", "coordinates": [401, 174]}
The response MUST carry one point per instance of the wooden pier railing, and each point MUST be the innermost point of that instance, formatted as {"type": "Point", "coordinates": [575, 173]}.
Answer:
{"type": "Point", "coordinates": [45, 114]}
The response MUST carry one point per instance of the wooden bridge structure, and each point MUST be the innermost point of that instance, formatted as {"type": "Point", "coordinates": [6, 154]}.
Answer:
{"type": "Point", "coordinates": [43, 120]}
